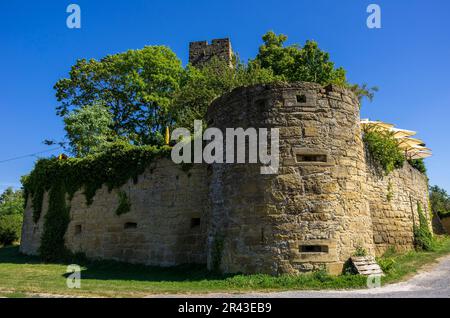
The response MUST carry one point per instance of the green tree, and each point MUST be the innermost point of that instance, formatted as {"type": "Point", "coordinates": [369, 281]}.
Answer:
{"type": "Point", "coordinates": [200, 86]}
{"type": "Point", "coordinates": [308, 63]}
{"type": "Point", "coordinates": [440, 201]}
{"type": "Point", "coordinates": [295, 63]}
{"type": "Point", "coordinates": [89, 129]}
{"type": "Point", "coordinates": [11, 216]}
{"type": "Point", "coordinates": [137, 86]}
{"type": "Point", "coordinates": [11, 202]}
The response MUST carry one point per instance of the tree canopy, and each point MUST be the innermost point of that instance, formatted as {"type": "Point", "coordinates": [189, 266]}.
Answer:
{"type": "Point", "coordinates": [89, 129]}
{"type": "Point", "coordinates": [295, 63]}
{"type": "Point", "coordinates": [137, 86]}
{"type": "Point", "coordinates": [440, 201]}
{"type": "Point", "coordinates": [135, 95]}
{"type": "Point", "coordinates": [11, 215]}
{"type": "Point", "coordinates": [11, 202]}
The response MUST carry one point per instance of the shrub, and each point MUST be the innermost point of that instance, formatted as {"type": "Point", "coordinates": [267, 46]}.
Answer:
{"type": "Point", "coordinates": [423, 238]}
{"type": "Point", "coordinates": [419, 165]}
{"type": "Point", "coordinates": [384, 149]}
{"type": "Point", "coordinates": [10, 228]}
{"type": "Point", "coordinates": [124, 204]}
{"type": "Point", "coordinates": [386, 264]}
{"type": "Point", "coordinates": [360, 251]}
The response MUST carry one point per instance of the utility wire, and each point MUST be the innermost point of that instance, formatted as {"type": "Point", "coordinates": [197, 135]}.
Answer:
{"type": "Point", "coordinates": [30, 155]}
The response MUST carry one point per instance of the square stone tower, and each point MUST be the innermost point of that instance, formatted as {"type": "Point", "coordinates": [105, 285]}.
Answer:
{"type": "Point", "coordinates": [201, 52]}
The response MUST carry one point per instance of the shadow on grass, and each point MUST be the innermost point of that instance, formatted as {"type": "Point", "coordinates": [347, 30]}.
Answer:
{"type": "Point", "coordinates": [11, 255]}
{"type": "Point", "coordinates": [112, 270]}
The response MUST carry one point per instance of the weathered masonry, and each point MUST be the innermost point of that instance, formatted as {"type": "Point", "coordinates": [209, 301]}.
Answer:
{"type": "Point", "coordinates": [201, 52]}
{"type": "Point", "coordinates": [326, 200]}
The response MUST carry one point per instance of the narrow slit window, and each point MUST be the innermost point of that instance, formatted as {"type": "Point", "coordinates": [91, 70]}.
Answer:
{"type": "Point", "coordinates": [314, 249]}
{"type": "Point", "coordinates": [130, 225]}
{"type": "Point", "coordinates": [311, 158]}
{"type": "Point", "coordinates": [301, 99]}
{"type": "Point", "coordinates": [195, 222]}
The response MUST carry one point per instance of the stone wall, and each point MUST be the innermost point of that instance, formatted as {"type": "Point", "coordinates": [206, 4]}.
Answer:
{"type": "Point", "coordinates": [162, 227]}
{"type": "Point", "coordinates": [312, 213]}
{"type": "Point", "coordinates": [327, 199]}
{"type": "Point", "coordinates": [393, 202]}
{"type": "Point", "coordinates": [325, 202]}
{"type": "Point", "coordinates": [446, 224]}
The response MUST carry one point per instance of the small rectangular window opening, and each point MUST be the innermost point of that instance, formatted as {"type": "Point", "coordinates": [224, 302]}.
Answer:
{"type": "Point", "coordinates": [314, 249]}
{"type": "Point", "coordinates": [301, 98]}
{"type": "Point", "coordinates": [78, 229]}
{"type": "Point", "coordinates": [312, 158]}
{"type": "Point", "coordinates": [195, 222]}
{"type": "Point", "coordinates": [130, 225]}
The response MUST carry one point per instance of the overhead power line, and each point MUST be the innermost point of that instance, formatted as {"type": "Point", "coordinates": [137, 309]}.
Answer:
{"type": "Point", "coordinates": [30, 155]}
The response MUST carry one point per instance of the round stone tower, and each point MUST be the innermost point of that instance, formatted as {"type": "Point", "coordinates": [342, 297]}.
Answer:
{"type": "Point", "coordinates": [311, 213]}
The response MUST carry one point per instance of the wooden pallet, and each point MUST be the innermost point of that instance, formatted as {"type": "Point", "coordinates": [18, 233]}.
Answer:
{"type": "Point", "coordinates": [366, 265]}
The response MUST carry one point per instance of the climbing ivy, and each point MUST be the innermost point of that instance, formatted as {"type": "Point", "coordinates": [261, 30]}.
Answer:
{"type": "Point", "coordinates": [216, 253]}
{"type": "Point", "coordinates": [423, 238]}
{"type": "Point", "coordinates": [124, 203]}
{"type": "Point", "coordinates": [62, 178]}
{"type": "Point", "coordinates": [55, 224]}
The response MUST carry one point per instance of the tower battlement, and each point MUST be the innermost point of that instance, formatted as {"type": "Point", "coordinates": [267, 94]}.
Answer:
{"type": "Point", "coordinates": [201, 52]}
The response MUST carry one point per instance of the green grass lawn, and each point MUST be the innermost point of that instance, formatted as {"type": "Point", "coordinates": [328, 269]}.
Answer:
{"type": "Point", "coordinates": [23, 275]}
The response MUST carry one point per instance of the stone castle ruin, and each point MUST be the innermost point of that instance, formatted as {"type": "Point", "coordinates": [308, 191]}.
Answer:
{"type": "Point", "coordinates": [326, 201]}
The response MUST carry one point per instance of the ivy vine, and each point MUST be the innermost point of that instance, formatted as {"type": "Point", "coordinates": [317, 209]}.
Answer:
{"type": "Point", "coordinates": [62, 178]}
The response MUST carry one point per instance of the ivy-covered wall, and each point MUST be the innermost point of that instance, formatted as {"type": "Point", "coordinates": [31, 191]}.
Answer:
{"type": "Point", "coordinates": [327, 201]}
{"type": "Point", "coordinates": [164, 224]}
{"type": "Point", "coordinates": [393, 201]}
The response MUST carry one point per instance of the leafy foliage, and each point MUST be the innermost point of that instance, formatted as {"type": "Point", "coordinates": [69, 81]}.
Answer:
{"type": "Point", "coordinates": [57, 219]}
{"type": "Point", "coordinates": [386, 264]}
{"type": "Point", "coordinates": [11, 202]}
{"type": "Point", "coordinates": [360, 251]}
{"type": "Point", "coordinates": [137, 87]}
{"type": "Point", "coordinates": [384, 149]}
{"type": "Point", "coordinates": [147, 90]}
{"type": "Point", "coordinates": [11, 216]}
{"type": "Point", "coordinates": [89, 129]}
{"type": "Point", "coordinates": [124, 203]}
{"type": "Point", "coordinates": [62, 178]}
{"type": "Point", "coordinates": [10, 228]}
{"type": "Point", "coordinates": [308, 63]}
{"type": "Point", "coordinates": [440, 201]}
{"type": "Point", "coordinates": [113, 167]}
{"type": "Point", "coordinates": [200, 86]}
{"type": "Point", "coordinates": [418, 164]}
{"type": "Point", "coordinates": [296, 63]}
{"type": "Point", "coordinates": [363, 91]}
{"type": "Point", "coordinates": [423, 238]}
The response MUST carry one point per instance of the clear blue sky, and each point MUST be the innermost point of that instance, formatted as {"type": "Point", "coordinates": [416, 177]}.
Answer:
{"type": "Point", "coordinates": [409, 58]}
